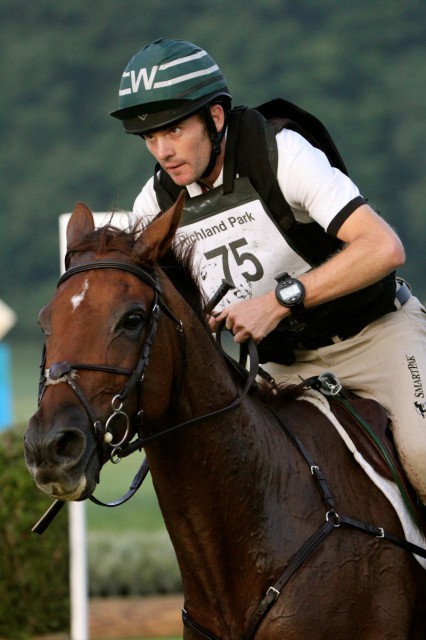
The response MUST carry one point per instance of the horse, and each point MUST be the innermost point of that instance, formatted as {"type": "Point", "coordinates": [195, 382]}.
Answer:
{"type": "Point", "coordinates": [252, 483]}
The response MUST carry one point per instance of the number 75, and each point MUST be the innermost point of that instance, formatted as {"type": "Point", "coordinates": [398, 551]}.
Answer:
{"type": "Point", "coordinates": [240, 258]}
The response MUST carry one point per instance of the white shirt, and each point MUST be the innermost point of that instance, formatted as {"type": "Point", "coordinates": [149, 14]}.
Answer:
{"type": "Point", "coordinates": [312, 187]}
{"type": "Point", "coordinates": [244, 245]}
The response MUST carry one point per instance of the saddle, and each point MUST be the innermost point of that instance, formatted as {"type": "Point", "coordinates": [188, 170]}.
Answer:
{"type": "Point", "coordinates": [368, 426]}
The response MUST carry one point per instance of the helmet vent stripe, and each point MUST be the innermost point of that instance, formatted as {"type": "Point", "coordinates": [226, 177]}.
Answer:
{"type": "Point", "coordinates": [187, 76]}
{"type": "Point", "coordinates": [194, 56]}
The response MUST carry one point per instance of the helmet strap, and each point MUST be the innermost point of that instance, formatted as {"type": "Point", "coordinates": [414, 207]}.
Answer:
{"type": "Point", "coordinates": [216, 138]}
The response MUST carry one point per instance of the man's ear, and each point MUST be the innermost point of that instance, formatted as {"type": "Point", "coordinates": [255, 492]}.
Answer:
{"type": "Point", "coordinates": [218, 115]}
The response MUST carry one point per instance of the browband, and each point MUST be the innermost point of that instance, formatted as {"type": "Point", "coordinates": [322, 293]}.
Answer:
{"type": "Point", "coordinates": [130, 268]}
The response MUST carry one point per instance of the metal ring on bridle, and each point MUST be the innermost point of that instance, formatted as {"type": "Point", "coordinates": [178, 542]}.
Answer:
{"type": "Point", "coordinates": [116, 405]}
{"type": "Point", "coordinates": [116, 399]}
{"type": "Point", "coordinates": [332, 516]}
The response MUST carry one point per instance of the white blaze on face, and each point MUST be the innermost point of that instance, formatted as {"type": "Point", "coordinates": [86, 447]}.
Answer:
{"type": "Point", "coordinates": [79, 297]}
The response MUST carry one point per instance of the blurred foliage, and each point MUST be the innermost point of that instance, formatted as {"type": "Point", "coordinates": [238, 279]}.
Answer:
{"type": "Point", "coordinates": [359, 66]}
{"type": "Point", "coordinates": [34, 591]}
{"type": "Point", "coordinates": [134, 563]}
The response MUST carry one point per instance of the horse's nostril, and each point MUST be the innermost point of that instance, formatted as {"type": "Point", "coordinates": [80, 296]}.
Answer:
{"type": "Point", "coordinates": [69, 444]}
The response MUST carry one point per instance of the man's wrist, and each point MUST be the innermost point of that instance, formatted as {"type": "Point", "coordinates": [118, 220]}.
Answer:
{"type": "Point", "coordinates": [290, 293]}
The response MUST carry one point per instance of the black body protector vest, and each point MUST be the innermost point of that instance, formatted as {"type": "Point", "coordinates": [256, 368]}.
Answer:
{"type": "Point", "coordinates": [247, 233]}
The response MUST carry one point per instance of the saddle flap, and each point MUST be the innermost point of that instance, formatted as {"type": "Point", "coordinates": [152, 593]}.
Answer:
{"type": "Point", "coordinates": [375, 443]}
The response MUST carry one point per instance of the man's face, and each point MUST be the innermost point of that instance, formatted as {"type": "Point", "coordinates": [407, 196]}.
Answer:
{"type": "Point", "coordinates": [183, 150]}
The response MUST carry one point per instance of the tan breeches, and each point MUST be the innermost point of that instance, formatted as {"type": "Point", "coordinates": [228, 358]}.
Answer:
{"type": "Point", "coordinates": [386, 361]}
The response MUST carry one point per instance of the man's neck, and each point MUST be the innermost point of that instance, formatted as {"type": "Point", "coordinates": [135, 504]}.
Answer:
{"type": "Point", "coordinates": [211, 179]}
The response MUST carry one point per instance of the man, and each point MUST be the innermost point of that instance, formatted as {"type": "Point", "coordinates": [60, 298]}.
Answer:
{"type": "Point", "coordinates": [271, 208]}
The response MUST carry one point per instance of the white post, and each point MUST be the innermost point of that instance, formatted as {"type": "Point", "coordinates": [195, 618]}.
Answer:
{"type": "Point", "coordinates": [77, 538]}
{"type": "Point", "coordinates": [78, 571]}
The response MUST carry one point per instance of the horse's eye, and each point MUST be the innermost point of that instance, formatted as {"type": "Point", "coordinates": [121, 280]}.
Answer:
{"type": "Point", "coordinates": [133, 321]}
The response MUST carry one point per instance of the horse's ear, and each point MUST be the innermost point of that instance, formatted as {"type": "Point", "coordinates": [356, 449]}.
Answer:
{"type": "Point", "coordinates": [157, 237]}
{"type": "Point", "coordinates": [79, 225]}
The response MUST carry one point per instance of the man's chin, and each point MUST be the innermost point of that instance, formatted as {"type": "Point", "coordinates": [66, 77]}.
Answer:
{"type": "Point", "coordinates": [181, 181]}
{"type": "Point", "coordinates": [180, 177]}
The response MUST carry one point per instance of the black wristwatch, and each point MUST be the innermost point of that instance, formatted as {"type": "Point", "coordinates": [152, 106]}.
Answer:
{"type": "Point", "coordinates": [290, 292]}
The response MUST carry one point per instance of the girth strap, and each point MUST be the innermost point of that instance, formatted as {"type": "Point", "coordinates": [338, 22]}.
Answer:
{"type": "Point", "coordinates": [329, 385]}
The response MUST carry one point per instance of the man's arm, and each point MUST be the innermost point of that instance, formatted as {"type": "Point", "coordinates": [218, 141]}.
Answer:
{"type": "Point", "coordinates": [372, 251]}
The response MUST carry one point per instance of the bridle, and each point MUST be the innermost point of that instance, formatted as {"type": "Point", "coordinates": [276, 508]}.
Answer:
{"type": "Point", "coordinates": [66, 371]}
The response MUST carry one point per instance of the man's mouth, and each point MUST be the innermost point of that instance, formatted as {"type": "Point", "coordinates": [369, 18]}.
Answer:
{"type": "Point", "coordinates": [174, 166]}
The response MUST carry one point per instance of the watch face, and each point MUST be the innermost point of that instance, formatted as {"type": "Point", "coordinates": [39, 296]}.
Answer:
{"type": "Point", "coordinates": [290, 292]}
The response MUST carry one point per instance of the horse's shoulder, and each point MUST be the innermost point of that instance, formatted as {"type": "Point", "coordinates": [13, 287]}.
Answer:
{"type": "Point", "coordinates": [305, 418]}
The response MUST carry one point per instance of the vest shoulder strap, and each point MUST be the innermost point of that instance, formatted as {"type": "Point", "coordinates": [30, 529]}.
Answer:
{"type": "Point", "coordinates": [256, 156]}
{"type": "Point", "coordinates": [282, 113]}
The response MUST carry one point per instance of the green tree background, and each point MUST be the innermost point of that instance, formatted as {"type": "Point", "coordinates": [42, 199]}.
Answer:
{"type": "Point", "coordinates": [360, 66]}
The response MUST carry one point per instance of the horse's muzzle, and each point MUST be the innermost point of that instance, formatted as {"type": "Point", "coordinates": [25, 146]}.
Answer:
{"type": "Point", "coordinates": [61, 459]}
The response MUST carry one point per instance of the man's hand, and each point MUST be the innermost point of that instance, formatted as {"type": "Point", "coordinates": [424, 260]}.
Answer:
{"type": "Point", "coordinates": [253, 318]}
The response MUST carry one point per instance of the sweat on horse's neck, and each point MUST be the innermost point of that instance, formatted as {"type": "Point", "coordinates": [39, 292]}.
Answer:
{"type": "Point", "coordinates": [204, 480]}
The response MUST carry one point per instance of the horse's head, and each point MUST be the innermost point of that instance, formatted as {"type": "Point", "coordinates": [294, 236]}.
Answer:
{"type": "Point", "coordinates": [99, 331]}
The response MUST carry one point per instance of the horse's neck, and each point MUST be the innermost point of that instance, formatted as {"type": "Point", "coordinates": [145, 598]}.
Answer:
{"type": "Point", "coordinates": [204, 378]}
{"type": "Point", "coordinates": [214, 479]}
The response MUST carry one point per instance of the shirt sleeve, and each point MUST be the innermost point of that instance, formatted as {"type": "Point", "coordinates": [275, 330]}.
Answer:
{"type": "Point", "coordinates": [312, 187]}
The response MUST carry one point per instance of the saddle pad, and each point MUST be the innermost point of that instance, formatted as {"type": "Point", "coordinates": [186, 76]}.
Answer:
{"type": "Point", "coordinates": [387, 487]}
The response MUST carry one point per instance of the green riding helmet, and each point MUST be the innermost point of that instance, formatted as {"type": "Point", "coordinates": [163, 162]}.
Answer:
{"type": "Point", "coordinates": [165, 82]}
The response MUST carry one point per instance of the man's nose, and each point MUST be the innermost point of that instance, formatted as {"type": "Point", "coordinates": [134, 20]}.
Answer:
{"type": "Point", "coordinates": [164, 149]}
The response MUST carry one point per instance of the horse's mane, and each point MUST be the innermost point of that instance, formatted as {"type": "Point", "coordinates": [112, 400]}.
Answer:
{"type": "Point", "coordinates": [177, 263]}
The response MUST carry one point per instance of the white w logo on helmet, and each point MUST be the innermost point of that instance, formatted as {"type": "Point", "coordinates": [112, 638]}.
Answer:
{"type": "Point", "coordinates": [148, 77]}
{"type": "Point", "coordinates": [148, 80]}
